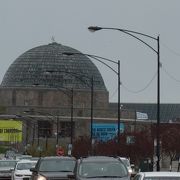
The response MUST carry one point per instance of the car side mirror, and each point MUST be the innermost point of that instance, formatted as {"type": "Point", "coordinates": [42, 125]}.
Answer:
{"type": "Point", "coordinates": [11, 169]}
{"type": "Point", "coordinates": [71, 176]}
{"type": "Point", "coordinates": [33, 170]}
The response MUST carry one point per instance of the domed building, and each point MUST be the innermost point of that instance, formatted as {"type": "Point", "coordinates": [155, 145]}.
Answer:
{"type": "Point", "coordinates": [48, 66]}
{"type": "Point", "coordinates": [57, 93]}
{"type": "Point", "coordinates": [56, 90]}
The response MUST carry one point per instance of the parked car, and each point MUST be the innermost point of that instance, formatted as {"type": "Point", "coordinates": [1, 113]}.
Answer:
{"type": "Point", "coordinates": [6, 167]}
{"type": "Point", "coordinates": [100, 167]}
{"type": "Point", "coordinates": [55, 167]}
{"type": "Point", "coordinates": [157, 176]}
{"type": "Point", "coordinates": [22, 169]}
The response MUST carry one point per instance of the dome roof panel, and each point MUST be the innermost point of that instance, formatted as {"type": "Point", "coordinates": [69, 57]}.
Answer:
{"type": "Point", "coordinates": [47, 66]}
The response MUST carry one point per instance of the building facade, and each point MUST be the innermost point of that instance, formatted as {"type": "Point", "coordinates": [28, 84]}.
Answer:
{"type": "Point", "coordinates": [58, 92]}
{"type": "Point", "coordinates": [55, 95]}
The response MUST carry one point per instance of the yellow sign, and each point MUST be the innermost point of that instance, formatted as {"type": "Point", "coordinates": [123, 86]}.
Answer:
{"type": "Point", "coordinates": [11, 131]}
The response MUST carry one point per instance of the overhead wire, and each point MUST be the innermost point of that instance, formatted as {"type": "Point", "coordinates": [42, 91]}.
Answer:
{"type": "Point", "coordinates": [142, 89]}
{"type": "Point", "coordinates": [135, 91]}
{"type": "Point", "coordinates": [149, 83]}
{"type": "Point", "coordinates": [164, 69]}
{"type": "Point", "coordinates": [170, 75]}
{"type": "Point", "coordinates": [170, 50]}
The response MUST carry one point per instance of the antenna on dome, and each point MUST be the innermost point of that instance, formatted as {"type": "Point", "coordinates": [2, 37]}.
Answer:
{"type": "Point", "coordinates": [53, 39]}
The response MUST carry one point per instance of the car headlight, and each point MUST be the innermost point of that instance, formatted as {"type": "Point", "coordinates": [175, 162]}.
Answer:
{"type": "Point", "coordinates": [40, 177]}
{"type": "Point", "coordinates": [130, 171]}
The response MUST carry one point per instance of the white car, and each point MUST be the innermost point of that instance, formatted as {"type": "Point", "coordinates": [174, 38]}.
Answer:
{"type": "Point", "coordinates": [22, 169]}
{"type": "Point", "coordinates": [157, 176]}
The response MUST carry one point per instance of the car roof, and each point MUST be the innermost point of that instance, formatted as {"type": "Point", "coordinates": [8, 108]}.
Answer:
{"type": "Point", "coordinates": [123, 158]}
{"type": "Point", "coordinates": [8, 160]}
{"type": "Point", "coordinates": [58, 157]}
{"type": "Point", "coordinates": [98, 159]}
{"type": "Point", "coordinates": [161, 173]}
{"type": "Point", "coordinates": [26, 161]}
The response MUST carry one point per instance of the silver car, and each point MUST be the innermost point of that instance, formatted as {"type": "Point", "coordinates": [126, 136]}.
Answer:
{"type": "Point", "coordinates": [6, 167]}
{"type": "Point", "coordinates": [100, 167]}
{"type": "Point", "coordinates": [157, 176]}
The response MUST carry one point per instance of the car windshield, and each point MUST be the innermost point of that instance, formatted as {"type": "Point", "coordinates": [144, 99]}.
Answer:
{"type": "Point", "coordinates": [7, 163]}
{"type": "Point", "coordinates": [25, 166]}
{"type": "Point", "coordinates": [59, 165]}
{"type": "Point", "coordinates": [102, 169]}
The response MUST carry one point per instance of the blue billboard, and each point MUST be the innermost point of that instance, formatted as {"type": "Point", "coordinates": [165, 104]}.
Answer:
{"type": "Point", "coordinates": [106, 131]}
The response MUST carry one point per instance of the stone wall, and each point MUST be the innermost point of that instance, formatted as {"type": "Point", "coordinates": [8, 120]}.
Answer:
{"type": "Point", "coordinates": [22, 98]}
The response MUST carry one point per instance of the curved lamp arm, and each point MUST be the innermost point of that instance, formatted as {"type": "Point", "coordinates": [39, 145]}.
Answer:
{"type": "Point", "coordinates": [129, 32]}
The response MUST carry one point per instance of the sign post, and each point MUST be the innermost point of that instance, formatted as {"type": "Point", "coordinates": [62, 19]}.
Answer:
{"type": "Point", "coordinates": [69, 149]}
{"type": "Point", "coordinates": [60, 151]}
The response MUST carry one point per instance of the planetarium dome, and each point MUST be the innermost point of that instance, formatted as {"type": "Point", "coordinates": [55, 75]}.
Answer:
{"type": "Point", "coordinates": [47, 66]}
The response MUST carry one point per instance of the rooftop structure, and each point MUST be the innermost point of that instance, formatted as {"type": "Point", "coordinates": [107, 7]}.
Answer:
{"type": "Point", "coordinates": [47, 67]}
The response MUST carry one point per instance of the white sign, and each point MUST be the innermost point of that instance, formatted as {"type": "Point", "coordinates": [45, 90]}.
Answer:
{"type": "Point", "coordinates": [142, 116]}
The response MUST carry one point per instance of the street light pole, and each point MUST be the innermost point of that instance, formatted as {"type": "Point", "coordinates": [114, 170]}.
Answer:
{"type": "Point", "coordinates": [119, 106]}
{"type": "Point", "coordinates": [92, 102]}
{"type": "Point", "coordinates": [57, 131]}
{"type": "Point", "coordinates": [117, 72]}
{"type": "Point", "coordinates": [38, 134]}
{"type": "Point", "coordinates": [72, 107]}
{"type": "Point", "coordinates": [33, 136]}
{"type": "Point", "coordinates": [71, 96]}
{"type": "Point", "coordinates": [158, 106]}
{"type": "Point", "coordinates": [78, 76]}
{"type": "Point", "coordinates": [38, 126]}
{"type": "Point", "coordinates": [133, 34]}
{"type": "Point", "coordinates": [27, 128]}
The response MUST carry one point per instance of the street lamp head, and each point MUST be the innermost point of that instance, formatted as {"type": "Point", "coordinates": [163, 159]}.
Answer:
{"type": "Point", "coordinates": [68, 53]}
{"type": "Point", "coordinates": [28, 111]}
{"type": "Point", "coordinates": [47, 72]}
{"type": "Point", "coordinates": [94, 28]}
{"type": "Point", "coordinates": [35, 84]}
{"type": "Point", "coordinates": [18, 116]}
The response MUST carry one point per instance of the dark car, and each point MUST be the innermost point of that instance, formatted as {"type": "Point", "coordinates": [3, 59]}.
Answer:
{"type": "Point", "coordinates": [6, 168]}
{"type": "Point", "coordinates": [55, 167]}
{"type": "Point", "coordinates": [100, 167]}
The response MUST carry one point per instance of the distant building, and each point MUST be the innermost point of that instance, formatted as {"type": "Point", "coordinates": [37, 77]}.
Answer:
{"type": "Point", "coordinates": [51, 93]}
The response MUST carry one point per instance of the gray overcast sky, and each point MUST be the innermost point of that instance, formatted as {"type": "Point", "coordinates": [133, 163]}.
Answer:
{"type": "Point", "coordinates": [27, 24]}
